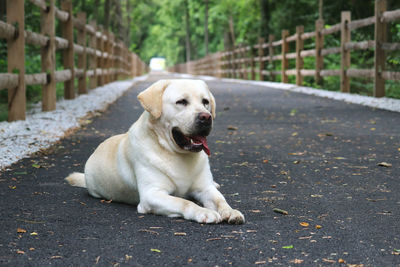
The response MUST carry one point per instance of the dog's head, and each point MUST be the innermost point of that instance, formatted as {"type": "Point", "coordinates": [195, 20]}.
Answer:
{"type": "Point", "coordinates": [182, 113]}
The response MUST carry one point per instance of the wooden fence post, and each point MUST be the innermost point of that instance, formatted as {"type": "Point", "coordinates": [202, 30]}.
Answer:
{"type": "Point", "coordinates": [252, 64]}
{"type": "Point", "coordinates": [48, 54]}
{"type": "Point", "coordinates": [345, 54]}
{"type": "Point", "coordinates": [112, 56]}
{"type": "Point", "coordinates": [106, 62]}
{"type": "Point", "coordinates": [271, 53]}
{"type": "Point", "coordinates": [117, 62]}
{"type": "Point", "coordinates": [299, 59]}
{"type": "Point", "coordinates": [134, 65]}
{"type": "Point", "coordinates": [319, 45]}
{"type": "Point", "coordinates": [234, 62]}
{"type": "Point", "coordinates": [243, 67]}
{"type": "Point", "coordinates": [285, 61]}
{"type": "Point", "coordinates": [260, 59]}
{"type": "Point", "coordinates": [100, 58]}
{"type": "Point", "coordinates": [93, 57]}
{"type": "Point", "coordinates": [68, 54]}
{"type": "Point", "coordinates": [16, 61]}
{"type": "Point", "coordinates": [81, 40]}
{"type": "Point", "coordinates": [231, 64]}
{"type": "Point", "coordinates": [379, 56]}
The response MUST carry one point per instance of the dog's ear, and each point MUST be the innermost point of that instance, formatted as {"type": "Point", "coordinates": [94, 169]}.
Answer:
{"type": "Point", "coordinates": [212, 101]}
{"type": "Point", "coordinates": [151, 98]}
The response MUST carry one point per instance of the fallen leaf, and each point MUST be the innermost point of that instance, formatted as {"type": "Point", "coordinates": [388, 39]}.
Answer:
{"type": "Point", "coordinates": [179, 233]}
{"type": "Point", "coordinates": [288, 247]}
{"type": "Point", "coordinates": [37, 166]}
{"type": "Point", "coordinates": [260, 262]}
{"type": "Point", "coordinates": [304, 224]}
{"type": "Point", "coordinates": [341, 261]}
{"type": "Point", "coordinates": [384, 164]}
{"type": "Point", "coordinates": [318, 226]}
{"type": "Point", "coordinates": [265, 161]}
{"type": "Point", "coordinates": [213, 239]}
{"type": "Point", "coordinates": [328, 260]}
{"type": "Point", "coordinates": [340, 158]}
{"type": "Point", "coordinates": [127, 257]}
{"type": "Point", "coordinates": [20, 252]}
{"type": "Point", "coordinates": [20, 230]}
{"type": "Point", "coordinates": [12, 187]}
{"type": "Point", "coordinates": [232, 128]}
{"type": "Point", "coordinates": [255, 211]}
{"type": "Point", "coordinates": [295, 134]}
{"type": "Point", "coordinates": [296, 261]}
{"type": "Point", "coordinates": [297, 153]}
{"type": "Point", "coordinates": [155, 250]}
{"type": "Point", "coordinates": [34, 234]}
{"type": "Point", "coordinates": [284, 212]}
{"type": "Point", "coordinates": [56, 257]}
{"type": "Point", "coordinates": [19, 173]}
{"type": "Point", "coordinates": [251, 231]}
{"type": "Point", "coordinates": [316, 195]}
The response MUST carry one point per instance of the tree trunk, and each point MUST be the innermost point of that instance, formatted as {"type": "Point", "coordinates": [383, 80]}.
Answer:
{"type": "Point", "coordinates": [3, 10]}
{"type": "Point", "coordinates": [187, 18]}
{"type": "Point", "coordinates": [96, 11]}
{"type": "Point", "coordinates": [232, 30]}
{"type": "Point", "coordinates": [118, 19]}
{"type": "Point", "coordinates": [264, 29]}
{"type": "Point", "coordinates": [206, 27]}
{"type": "Point", "coordinates": [107, 14]}
{"type": "Point", "coordinates": [83, 6]}
{"type": "Point", "coordinates": [128, 22]}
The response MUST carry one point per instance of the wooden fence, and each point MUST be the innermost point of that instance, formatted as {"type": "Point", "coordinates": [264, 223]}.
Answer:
{"type": "Point", "coordinates": [245, 61]}
{"type": "Point", "coordinates": [101, 58]}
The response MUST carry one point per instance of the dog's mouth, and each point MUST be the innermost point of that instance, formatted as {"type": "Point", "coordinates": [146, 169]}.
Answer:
{"type": "Point", "coordinates": [192, 143]}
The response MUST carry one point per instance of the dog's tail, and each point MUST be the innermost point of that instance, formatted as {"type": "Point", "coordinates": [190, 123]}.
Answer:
{"type": "Point", "coordinates": [76, 179]}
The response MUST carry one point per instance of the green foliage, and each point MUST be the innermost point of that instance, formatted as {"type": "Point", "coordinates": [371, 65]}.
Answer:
{"type": "Point", "coordinates": [158, 28]}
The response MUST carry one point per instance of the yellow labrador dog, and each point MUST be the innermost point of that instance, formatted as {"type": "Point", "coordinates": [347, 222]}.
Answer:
{"type": "Point", "coordinates": [162, 159]}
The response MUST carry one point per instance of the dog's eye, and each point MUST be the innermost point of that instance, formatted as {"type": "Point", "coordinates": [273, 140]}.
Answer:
{"type": "Point", "coordinates": [182, 102]}
{"type": "Point", "coordinates": [205, 102]}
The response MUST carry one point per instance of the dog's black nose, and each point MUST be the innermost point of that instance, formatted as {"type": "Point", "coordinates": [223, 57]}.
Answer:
{"type": "Point", "coordinates": [204, 118]}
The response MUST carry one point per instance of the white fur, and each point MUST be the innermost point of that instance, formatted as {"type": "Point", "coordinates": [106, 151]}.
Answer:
{"type": "Point", "coordinates": [145, 167]}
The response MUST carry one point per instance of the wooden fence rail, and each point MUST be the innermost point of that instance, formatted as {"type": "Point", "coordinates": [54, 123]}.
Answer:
{"type": "Point", "coordinates": [245, 61]}
{"type": "Point", "coordinates": [101, 58]}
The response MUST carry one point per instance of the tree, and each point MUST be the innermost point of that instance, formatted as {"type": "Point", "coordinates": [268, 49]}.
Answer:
{"type": "Point", "coordinates": [206, 26]}
{"type": "Point", "coordinates": [187, 23]}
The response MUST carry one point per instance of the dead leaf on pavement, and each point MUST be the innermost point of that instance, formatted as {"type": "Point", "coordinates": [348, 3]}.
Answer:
{"type": "Point", "coordinates": [296, 261]}
{"type": "Point", "coordinates": [304, 224]}
{"type": "Point", "coordinates": [328, 260]}
{"type": "Point", "coordinates": [20, 230]}
{"type": "Point", "coordinates": [384, 164]}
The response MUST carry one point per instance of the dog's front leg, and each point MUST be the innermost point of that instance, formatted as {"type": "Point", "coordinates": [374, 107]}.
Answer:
{"type": "Point", "coordinates": [160, 202]}
{"type": "Point", "coordinates": [213, 199]}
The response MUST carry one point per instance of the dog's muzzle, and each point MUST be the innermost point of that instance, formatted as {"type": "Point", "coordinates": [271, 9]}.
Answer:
{"type": "Point", "coordinates": [196, 141]}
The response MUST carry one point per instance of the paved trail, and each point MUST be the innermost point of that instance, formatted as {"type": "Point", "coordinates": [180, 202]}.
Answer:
{"type": "Point", "coordinates": [315, 158]}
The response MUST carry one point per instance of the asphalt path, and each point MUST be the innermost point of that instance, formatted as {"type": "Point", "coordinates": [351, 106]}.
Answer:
{"type": "Point", "coordinates": [334, 167]}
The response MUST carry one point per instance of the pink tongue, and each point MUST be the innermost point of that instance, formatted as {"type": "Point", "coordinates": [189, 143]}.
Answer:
{"type": "Point", "coordinates": [203, 141]}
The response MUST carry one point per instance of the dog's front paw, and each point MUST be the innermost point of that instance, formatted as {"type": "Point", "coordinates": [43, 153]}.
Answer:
{"type": "Point", "coordinates": [232, 216]}
{"type": "Point", "coordinates": [207, 216]}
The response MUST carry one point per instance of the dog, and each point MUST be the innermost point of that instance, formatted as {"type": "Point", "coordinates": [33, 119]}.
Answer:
{"type": "Point", "coordinates": [162, 161]}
